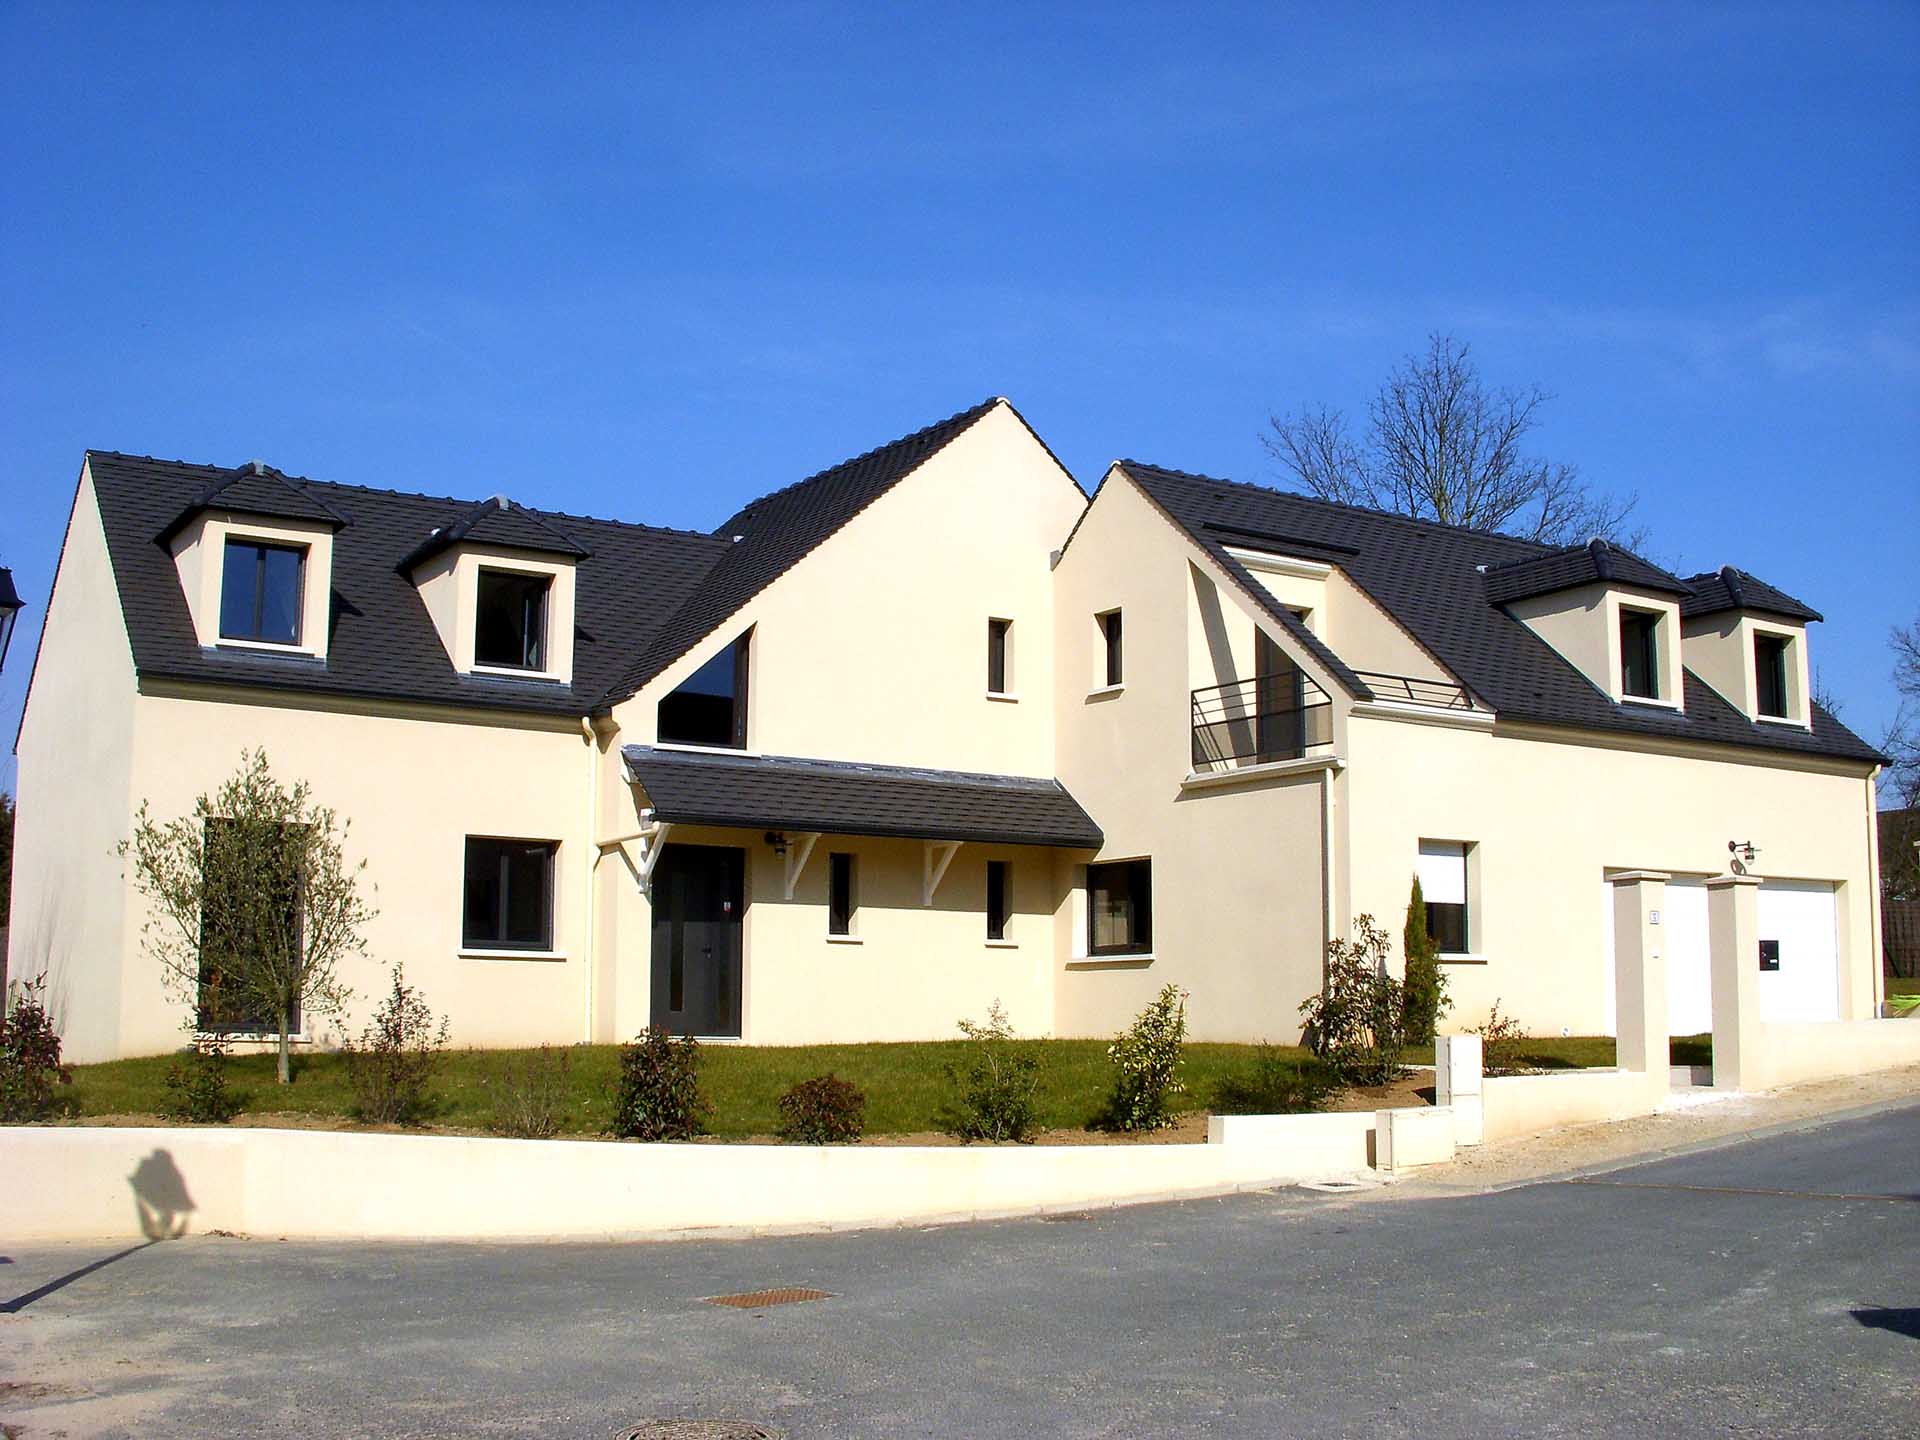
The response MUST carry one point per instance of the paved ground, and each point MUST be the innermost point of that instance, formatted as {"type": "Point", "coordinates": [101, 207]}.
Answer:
{"type": "Point", "coordinates": [1766, 1288]}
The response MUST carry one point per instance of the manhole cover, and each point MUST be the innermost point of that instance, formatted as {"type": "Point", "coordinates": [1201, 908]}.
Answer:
{"type": "Point", "coordinates": [699, 1430]}
{"type": "Point", "coordinates": [761, 1299]}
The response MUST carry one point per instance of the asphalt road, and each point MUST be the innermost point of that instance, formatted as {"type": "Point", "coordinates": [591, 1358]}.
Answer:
{"type": "Point", "coordinates": [1767, 1288]}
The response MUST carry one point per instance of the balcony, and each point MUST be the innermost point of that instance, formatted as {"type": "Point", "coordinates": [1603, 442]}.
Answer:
{"type": "Point", "coordinates": [1413, 690]}
{"type": "Point", "coordinates": [1259, 721]}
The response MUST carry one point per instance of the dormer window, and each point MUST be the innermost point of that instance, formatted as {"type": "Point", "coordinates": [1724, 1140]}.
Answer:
{"type": "Point", "coordinates": [510, 626]}
{"type": "Point", "coordinates": [262, 592]}
{"type": "Point", "coordinates": [1770, 676]}
{"type": "Point", "coordinates": [1639, 654]}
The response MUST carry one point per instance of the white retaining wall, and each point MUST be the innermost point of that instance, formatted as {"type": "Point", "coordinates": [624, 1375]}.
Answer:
{"type": "Point", "coordinates": [83, 1182]}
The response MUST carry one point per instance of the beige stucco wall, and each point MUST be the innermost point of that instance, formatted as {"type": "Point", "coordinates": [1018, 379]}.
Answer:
{"type": "Point", "coordinates": [75, 759]}
{"type": "Point", "coordinates": [875, 646]}
{"type": "Point", "coordinates": [1549, 817]}
{"type": "Point", "coordinates": [1237, 874]}
{"type": "Point", "coordinates": [414, 785]}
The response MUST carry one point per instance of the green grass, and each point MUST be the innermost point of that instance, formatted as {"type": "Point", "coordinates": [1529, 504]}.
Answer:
{"type": "Point", "coordinates": [905, 1084]}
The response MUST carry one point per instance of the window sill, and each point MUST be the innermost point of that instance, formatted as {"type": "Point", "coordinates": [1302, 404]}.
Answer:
{"type": "Point", "coordinates": [1449, 958]}
{"type": "Point", "coordinates": [1786, 720]}
{"type": "Point", "coordinates": [1658, 704]}
{"type": "Point", "coordinates": [1002, 944]}
{"type": "Point", "coordinates": [1101, 692]}
{"type": "Point", "coordinates": [1271, 769]}
{"type": "Point", "coordinates": [266, 647]}
{"type": "Point", "coordinates": [1109, 962]}
{"type": "Point", "coordinates": [846, 940]}
{"type": "Point", "coordinates": [511, 672]}
{"type": "Point", "coordinates": [1005, 697]}
{"type": "Point", "coordinates": [471, 952]}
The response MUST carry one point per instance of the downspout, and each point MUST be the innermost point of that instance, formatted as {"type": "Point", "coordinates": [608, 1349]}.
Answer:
{"type": "Point", "coordinates": [590, 866]}
{"type": "Point", "coordinates": [1326, 859]}
{"type": "Point", "coordinates": [1876, 934]}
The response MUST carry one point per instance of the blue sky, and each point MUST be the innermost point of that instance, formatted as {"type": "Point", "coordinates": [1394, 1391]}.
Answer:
{"type": "Point", "coordinates": [649, 261]}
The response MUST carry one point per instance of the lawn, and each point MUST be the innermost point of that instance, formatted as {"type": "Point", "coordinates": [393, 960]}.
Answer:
{"type": "Point", "coordinates": [905, 1084]}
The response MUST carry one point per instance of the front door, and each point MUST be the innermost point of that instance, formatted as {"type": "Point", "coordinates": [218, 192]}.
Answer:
{"type": "Point", "coordinates": [698, 896]}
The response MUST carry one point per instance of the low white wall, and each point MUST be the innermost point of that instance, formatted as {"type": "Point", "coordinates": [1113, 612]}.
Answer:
{"type": "Point", "coordinates": [72, 1183]}
{"type": "Point", "coordinates": [1823, 1050]}
{"type": "Point", "coordinates": [1517, 1105]}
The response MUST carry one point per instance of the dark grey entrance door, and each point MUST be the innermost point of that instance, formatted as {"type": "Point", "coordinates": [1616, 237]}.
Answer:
{"type": "Point", "coordinates": [698, 897]}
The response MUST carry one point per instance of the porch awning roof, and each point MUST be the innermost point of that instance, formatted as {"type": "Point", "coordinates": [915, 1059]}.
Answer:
{"type": "Point", "coordinates": [784, 792]}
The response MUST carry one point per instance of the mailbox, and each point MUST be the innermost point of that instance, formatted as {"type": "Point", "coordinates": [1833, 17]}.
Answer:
{"type": "Point", "coordinates": [1769, 954]}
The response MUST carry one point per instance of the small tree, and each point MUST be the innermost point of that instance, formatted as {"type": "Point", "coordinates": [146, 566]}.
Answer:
{"type": "Point", "coordinates": [1354, 1022]}
{"type": "Point", "coordinates": [392, 1066]}
{"type": "Point", "coordinates": [254, 904]}
{"type": "Point", "coordinates": [1424, 990]}
{"type": "Point", "coordinates": [995, 1084]}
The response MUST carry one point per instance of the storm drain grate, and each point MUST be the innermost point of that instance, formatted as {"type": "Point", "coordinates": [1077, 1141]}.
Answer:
{"type": "Point", "coordinates": [699, 1430]}
{"type": "Point", "coordinates": [761, 1299]}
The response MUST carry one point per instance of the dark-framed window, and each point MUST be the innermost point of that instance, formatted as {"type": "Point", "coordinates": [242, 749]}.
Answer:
{"type": "Point", "coordinates": [1443, 886]}
{"type": "Point", "coordinates": [509, 894]}
{"type": "Point", "coordinates": [261, 592]}
{"type": "Point", "coordinates": [999, 898]}
{"type": "Point", "coordinates": [999, 655]}
{"type": "Point", "coordinates": [1639, 654]}
{"type": "Point", "coordinates": [264, 860]}
{"type": "Point", "coordinates": [1110, 634]}
{"type": "Point", "coordinates": [1120, 908]}
{"type": "Point", "coordinates": [840, 893]}
{"type": "Point", "coordinates": [510, 626]}
{"type": "Point", "coordinates": [1770, 674]}
{"type": "Point", "coordinates": [709, 707]}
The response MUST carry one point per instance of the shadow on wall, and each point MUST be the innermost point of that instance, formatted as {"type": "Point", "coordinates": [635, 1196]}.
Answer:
{"type": "Point", "coordinates": [160, 1197]}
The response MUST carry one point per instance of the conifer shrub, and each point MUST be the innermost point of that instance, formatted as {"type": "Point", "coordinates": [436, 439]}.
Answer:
{"type": "Point", "coordinates": [1424, 991]}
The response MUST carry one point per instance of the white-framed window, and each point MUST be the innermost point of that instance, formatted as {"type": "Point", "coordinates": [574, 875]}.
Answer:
{"type": "Point", "coordinates": [262, 591]}
{"type": "Point", "coordinates": [1640, 654]}
{"type": "Point", "coordinates": [1120, 908]}
{"type": "Point", "coordinates": [510, 619]}
{"type": "Point", "coordinates": [1445, 886]}
{"type": "Point", "coordinates": [843, 893]}
{"type": "Point", "coordinates": [999, 657]}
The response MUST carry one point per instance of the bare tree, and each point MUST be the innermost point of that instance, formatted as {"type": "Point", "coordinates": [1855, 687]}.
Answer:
{"type": "Point", "coordinates": [1900, 784]}
{"type": "Point", "coordinates": [1441, 446]}
{"type": "Point", "coordinates": [254, 904]}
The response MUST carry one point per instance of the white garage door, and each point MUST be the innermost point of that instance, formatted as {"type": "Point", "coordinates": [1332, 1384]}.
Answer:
{"type": "Point", "coordinates": [1683, 931]}
{"type": "Point", "coordinates": [1800, 917]}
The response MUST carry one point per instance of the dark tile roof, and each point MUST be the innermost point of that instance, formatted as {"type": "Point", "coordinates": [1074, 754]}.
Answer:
{"type": "Point", "coordinates": [255, 489]}
{"type": "Point", "coordinates": [381, 643]}
{"type": "Point", "coordinates": [1429, 578]}
{"type": "Point", "coordinates": [1731, 589]}
{"type": "Point", "coordinates": [497, 522]}
{"type": "Point", "coordinates": [776, 532]}
{"type": "Point", "coordinates": [841, 798]}
{"type": "Point", "coordinates": [1576, 565]}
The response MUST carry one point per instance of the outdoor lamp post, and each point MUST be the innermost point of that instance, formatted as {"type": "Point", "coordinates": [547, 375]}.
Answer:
{"type": "Point", "coordinates": [9, 612]}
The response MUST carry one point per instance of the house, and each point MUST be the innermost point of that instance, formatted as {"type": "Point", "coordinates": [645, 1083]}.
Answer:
{"type": "Point", "coordinates": [927, 730]}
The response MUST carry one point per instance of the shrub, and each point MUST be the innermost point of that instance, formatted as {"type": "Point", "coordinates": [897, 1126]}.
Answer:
{"type": "Point", "coordinates": [822, 1111]}
{"type": "Point", "coordinates": [30, 1068]}
{"type": "Point", "coordinates": [659, 1096]}
{"type": "Point", "coordinates": [994, 1087]}
{"type": "Point", "coordinates": [392, 1066]}
{"type": "Point", "coordinates": [1147, 1058]}
{"type": "Point", "coordinates": [1273, 1084]}
{"type": "Point", "coordinates": [196, 1086]}
{"type": "Point", "coordinates": [527, 1093]}
{"type": "Point", "coordinates": [1503, 1045]}
{"type": "Point", "coordinates": [1354, 1023]}
{"type": "Point", "coordinates": [1424, 996]}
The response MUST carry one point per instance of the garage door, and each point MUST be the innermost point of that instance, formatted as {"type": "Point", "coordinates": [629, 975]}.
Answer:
{"type": "Point", "coordinates": [1799, 917]}
{"type": "Point", "coordinates": [1683, 930]}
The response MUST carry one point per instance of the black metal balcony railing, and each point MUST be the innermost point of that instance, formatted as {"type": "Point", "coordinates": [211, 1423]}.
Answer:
{"type": "Point", "coordinates": [1412, 690]}
{"type": "Point", "coordinates": [1258, 721]}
